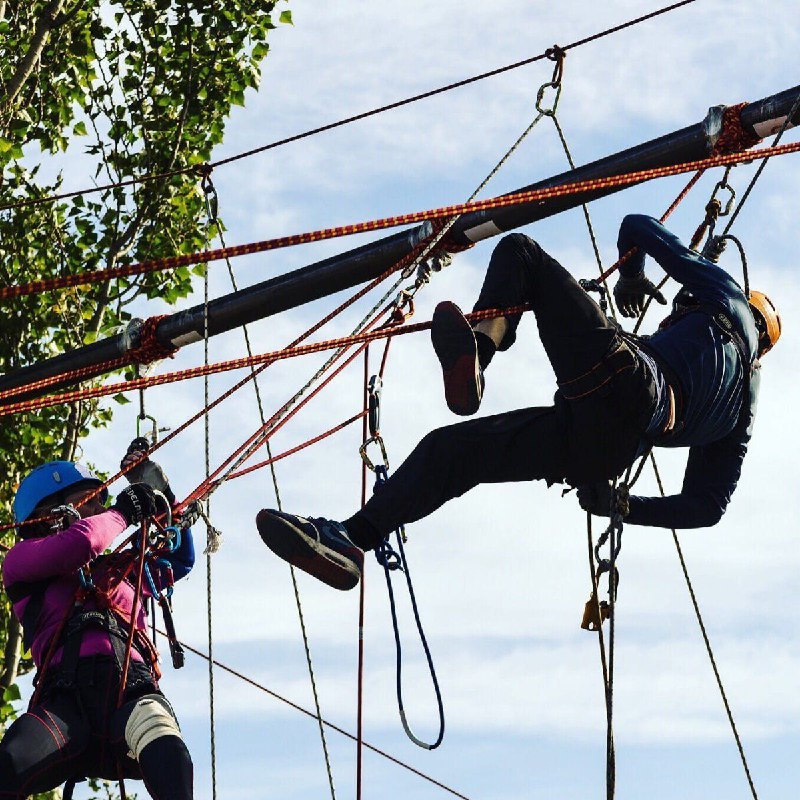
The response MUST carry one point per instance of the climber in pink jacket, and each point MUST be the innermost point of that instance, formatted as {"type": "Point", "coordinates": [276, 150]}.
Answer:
{"type": "Point", "coordinates": [75, 604]}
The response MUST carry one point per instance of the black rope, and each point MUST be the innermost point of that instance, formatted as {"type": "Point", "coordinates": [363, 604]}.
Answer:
{"type": "Point", "coordinates": [391, 561]}
{"type": "Point", "coordinates": [707, 641]}
{"type": "Point", "coordinates": [204, 168]}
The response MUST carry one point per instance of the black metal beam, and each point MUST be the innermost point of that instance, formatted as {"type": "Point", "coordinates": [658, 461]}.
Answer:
{"type": "Point", "coordinates": [362, 264]}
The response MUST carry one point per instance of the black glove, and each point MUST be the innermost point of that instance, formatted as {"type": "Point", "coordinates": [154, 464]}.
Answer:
{"type": "Point", "coordinates": [630, 294]}
{"type": "Point", "coordinates": [146, 471]}
{"type": "Point", "coordinates": [136, 502]}
{"type": "Point", "coordinates": [595, 498]}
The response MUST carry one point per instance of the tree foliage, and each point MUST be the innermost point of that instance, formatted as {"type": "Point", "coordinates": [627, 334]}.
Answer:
{"type": "Point", "coordinates": [119, 90]}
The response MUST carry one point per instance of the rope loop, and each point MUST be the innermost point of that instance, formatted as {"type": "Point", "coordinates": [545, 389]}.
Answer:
{"type": "Point", "coordinates": [393, 560]}
{"type": "Point", "coordinates": [387, 556]}
{"type": "Point", "coordinates": [558, 54]}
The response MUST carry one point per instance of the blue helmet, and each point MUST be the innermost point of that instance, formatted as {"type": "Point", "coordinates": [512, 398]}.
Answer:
{"type": "Point", "coordinates": [48, 481]}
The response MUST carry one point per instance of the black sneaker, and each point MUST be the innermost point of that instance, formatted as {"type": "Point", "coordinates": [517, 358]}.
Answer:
{"type": "Point", "coordinates": [318, 546]}
{"type": "Point", "coordinates": [454, 343]}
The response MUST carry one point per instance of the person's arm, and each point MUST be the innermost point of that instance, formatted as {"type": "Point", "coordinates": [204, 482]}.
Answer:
{"type": "Point", "coordinates": [684, 265]}
{"type": "Point", "coordinates": [64, 552]}
{"type": "Point", "coordinates": [712, 473]}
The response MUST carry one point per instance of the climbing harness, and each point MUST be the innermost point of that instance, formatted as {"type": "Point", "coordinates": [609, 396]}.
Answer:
{"type": "Point", "coordinates": [395, 560]}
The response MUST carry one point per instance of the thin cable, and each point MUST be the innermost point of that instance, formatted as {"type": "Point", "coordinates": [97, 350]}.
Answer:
{"type": "Point", "coordinates": [212, 202]}
{"type": "Point", "coordinates": [311, 714]}
{"type": "Point", "coordinates": [204, 168]}
{"type": "Point", "coordinates": [211, 547]}
{"type": "Point", "coordinates": [707, 642]}
{"type": "Point", "coordinates": [362, 593]}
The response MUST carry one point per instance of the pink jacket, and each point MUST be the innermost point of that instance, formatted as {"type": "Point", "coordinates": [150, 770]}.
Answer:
{"type": "Point", "coordinates": [59, 557]}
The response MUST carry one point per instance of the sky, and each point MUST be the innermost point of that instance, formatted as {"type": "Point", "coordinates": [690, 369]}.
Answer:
{"type": "Point", "coordinates": [501, 574]}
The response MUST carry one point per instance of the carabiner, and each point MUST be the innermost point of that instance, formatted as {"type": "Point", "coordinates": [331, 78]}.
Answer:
{"type": "Point", "coordinates": [362, 451]}
{"type": "Point", "coordinates": [723, 184]}
{"type": "Point", "coordinates": [548, 112]}
{"type": "Point", "coordinates": [374, 388]}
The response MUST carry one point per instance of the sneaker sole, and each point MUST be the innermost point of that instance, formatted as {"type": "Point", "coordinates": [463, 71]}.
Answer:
{"type": "Point", "coordinates": [454, 344]}
{"type": "Point", "coordinates": [293, 545]}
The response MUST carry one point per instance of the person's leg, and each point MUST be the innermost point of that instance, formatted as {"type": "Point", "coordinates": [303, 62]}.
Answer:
{"type": "Point", "coordinates": [517, 446]}
{"type": "Point", "coordinates": [520, 445]}
{"type": "Point", "coordinates": [146, 727]}
{"type": "Point", "coordinates": [575, 332]}
{"type": "Point", "coordinates": [42, 748]}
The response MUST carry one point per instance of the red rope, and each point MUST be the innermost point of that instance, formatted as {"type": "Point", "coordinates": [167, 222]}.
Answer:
{"type": "Point", "coordinates": [205, 410]}
{"type": "Point", "coordinates": [134, 610]}
{"type": "Point", "coordinates": [149, 347]}
{"type": "Point", "coordinates": [733, 136]}
{"type": "Point", "coordinates": [296, 449]}
{"type": "Point", "coordinates": [516, 198]}
{"type": "Point", "coordinates": [263, 359]}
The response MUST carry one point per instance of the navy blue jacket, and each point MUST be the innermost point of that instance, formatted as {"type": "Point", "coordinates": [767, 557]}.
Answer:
{"type": "Point", "coordinates": [712, 379]}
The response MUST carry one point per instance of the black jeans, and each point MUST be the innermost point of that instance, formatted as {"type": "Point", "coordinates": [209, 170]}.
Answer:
{"type": "Point", "coordinates": [575, 440]}
{"type": "Point", "coordinates": [80, 732]}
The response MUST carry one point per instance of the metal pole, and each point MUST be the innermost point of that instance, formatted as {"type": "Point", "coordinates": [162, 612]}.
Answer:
{"type": "Point", "coordinates": [367, 262]}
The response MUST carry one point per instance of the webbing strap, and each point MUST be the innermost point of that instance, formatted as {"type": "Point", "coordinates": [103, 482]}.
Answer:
{"type": "Point", "coordinates": [34, 591]}
{"type": "Point", "coordinates": [618, 359]}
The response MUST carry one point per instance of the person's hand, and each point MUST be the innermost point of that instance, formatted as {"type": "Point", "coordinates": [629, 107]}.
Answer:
{"type": "Point", "coordinates": [596, 498]}
{"type": "Point", "coordinates": [135, 502]}
{"type": "Point", "coordinates": [630, 294]}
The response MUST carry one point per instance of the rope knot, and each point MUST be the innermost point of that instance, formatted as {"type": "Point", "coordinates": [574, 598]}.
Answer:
{"type": "Point", "coordinates": [147, 347]}
{"type": "Point", "coordinates": [204, 170]}
{"type": "Point", "coordinates": [733, 137]}
{"type": "Point", "coordinates": [558, 54]}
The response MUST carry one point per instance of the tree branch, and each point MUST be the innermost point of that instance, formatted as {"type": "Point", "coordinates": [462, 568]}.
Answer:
{"type": "Point", "coordinates": [50, 20]}
{"type": "Point", "coordinates": [12, 652]}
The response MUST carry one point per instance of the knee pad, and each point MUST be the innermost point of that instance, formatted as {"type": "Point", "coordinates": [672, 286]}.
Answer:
{"type": "Point", "coordinates": [151, 718]}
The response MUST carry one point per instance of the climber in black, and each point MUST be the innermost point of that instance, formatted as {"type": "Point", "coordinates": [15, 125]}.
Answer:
{"type": "Point", "coordinates": [692, 384]}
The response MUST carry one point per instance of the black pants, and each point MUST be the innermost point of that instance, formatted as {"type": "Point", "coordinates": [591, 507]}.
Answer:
{"type": "Point", "coordinates": [80, 732]}
{"type": "Point", "coordinates": [575, 440]}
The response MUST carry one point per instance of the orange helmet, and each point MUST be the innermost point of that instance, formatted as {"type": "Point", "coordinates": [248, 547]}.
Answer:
{"type": "Point", "coordinates": [768, 321]}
